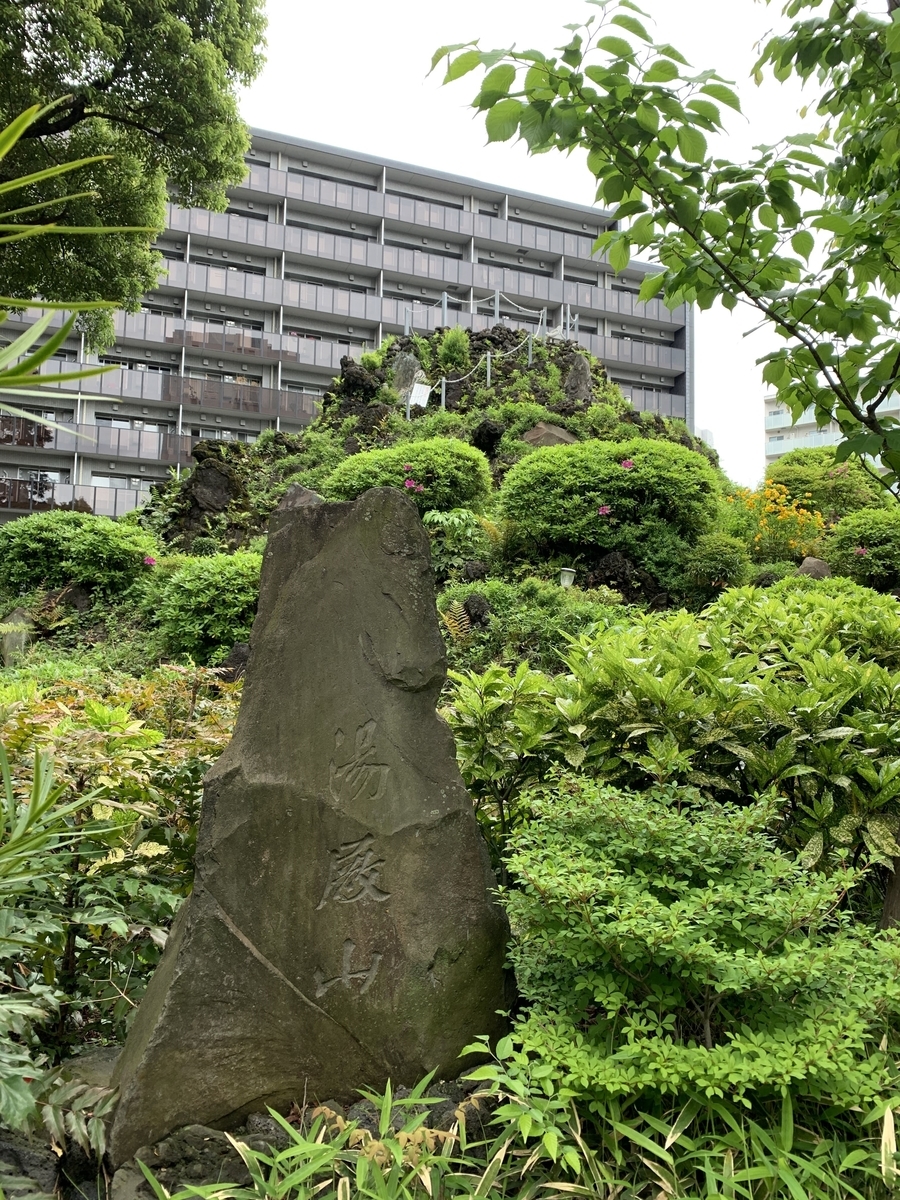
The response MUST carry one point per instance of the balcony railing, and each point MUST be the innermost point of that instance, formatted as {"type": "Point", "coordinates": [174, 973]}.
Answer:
{"type": "Point", "coordinates": [96, 439]}
{"type": "Point", "coordinates": [241, 398]}
{"type": "Point", "coordinates": [24, 495]}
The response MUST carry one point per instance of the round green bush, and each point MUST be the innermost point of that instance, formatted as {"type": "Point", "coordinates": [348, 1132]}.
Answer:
{"type": "Point", "coordinates": [866, 546]}
{"type": "Point", "coordinates": [650, 499]}
{"type": "Point", "coordinates": [718, 561]}
{"type": "Point", "coordinates": [208, 604]}
{"type": "Point", "coordinates": [52, 549]}
{"type": "Point", "coordinates": [820, 484]}
{"type": "Point", "coordinates": [440, 474]}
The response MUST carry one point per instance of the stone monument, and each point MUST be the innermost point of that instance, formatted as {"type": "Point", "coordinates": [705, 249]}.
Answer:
{"type": "Point", "coordinates": [342, 929]}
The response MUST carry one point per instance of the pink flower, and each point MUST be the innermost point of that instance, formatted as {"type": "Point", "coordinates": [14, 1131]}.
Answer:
{"type": "Point", "coordinates": [627, 464]}
{"type": "Point", "coordinates": [604, 510]}
{"type": "Point", "coordinates": [419, 487]}
{"type": "Point", "coordinates": [409, 483]}
{"type": "Point", "coordinates": [407, 466]}
{"type": "Point", "coordinates": [149, 562]}
{"type": "Point", "coordinates": [860, 550]}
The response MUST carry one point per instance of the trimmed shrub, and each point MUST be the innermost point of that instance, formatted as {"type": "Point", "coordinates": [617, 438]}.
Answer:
{"type": "Point", "coordinates": [744, 972]}
{"type": "Point", "coordinates": [818, 483]}
{"type": "Point", "coordinates": [52, 549]}
{"type": "Point", "coordinates": [209, 604]}
{"type": "Point", "coordinates": [866, 546]}
{"type": "Point", "coordinates": [441, 474]}
{"type": "Point", "coordinates": [650, 499]}
{"type": "Point", "coordinates": [718, 561]}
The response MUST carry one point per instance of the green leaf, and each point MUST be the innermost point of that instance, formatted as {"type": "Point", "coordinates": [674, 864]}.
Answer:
{"type": "Point", "coordinates": [462, 65]}
{"type": "Point", "coordinates": [647, 117]}
{"type": "Point", "coordinates": [671, 52]}
{"type": "Point", "coordinates": [619, 255]}
{"type": "Point", "coordinates": [629, 209]}
{"type": "Point", "coordinates": [443, 51]}
{"type": "Point", "coordinates": [834, 223]}
{"type": "Point", "coordinates": [707, 109]}
{"type": "Point", "coordinates": [716, 223]}
{"type": "Point", "coordinates": [632, 24]}
{"type": "Point", "coordinates": [803, 243]}
{"type": "Point", "coordinates": [651, 286]}
{"type": "Point", "coordinates": [812, 851]}
{"type": "Point", "coordinates": [616, 46]}
{"type": "Point", "coordinates": [691, 143]}
{"type": "Point", "coordinates": [502, 120]}
{"type": "Point", "coordinates": [662, 71]}
{"type": "Point", "coordinates": [500, 79]}
{"type": "Point", "coordinates": [723, 94]}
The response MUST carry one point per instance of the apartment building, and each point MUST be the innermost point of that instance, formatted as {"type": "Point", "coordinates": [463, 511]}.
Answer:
{"type": "Point", "coordinates": [781, 435]}
{"type": "Point", "coordinates": [321, 253]}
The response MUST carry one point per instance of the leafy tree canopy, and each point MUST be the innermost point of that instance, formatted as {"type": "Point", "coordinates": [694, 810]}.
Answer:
{"type": "Point", "coordinates": [806, 234]}
{"type": "Point", "coordinates": [149, 83]}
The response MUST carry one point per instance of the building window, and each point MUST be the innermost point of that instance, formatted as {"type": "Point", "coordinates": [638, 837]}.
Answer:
{"type": "Point", "coordinates": [132, 482]}
{"type": "Point", "coordinates": [117, 422]}
{"type": "Point", "coordinates": [778, 437]}
{"type": "Point", "coordinates": [132, 364]}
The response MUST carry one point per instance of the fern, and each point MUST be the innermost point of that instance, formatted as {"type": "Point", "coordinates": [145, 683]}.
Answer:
{"type": "Point", "coordinates": [457, 621]}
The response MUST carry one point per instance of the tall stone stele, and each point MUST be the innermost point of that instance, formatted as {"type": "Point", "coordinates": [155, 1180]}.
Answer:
{"type": "Point", "coordinates": [342, 929]}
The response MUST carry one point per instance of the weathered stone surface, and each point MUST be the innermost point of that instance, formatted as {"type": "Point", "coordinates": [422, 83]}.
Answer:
{"type": "Point", "coordinates": [545, 434]}
{"type": "Point", "coordinates": [579, 385]}
{"type": "Point", "coordinates": [815, 568]}
{"type": "Point", "coordinates": [341, 930]}
{"type": "Point", "coordinates": [298, 496]}
{"type": "Point", "coordinates": [234, 666]}
{"type": "Point", "coordinates": [29, 1158]}
{"type": "Point", "coordinates": [14, 642]}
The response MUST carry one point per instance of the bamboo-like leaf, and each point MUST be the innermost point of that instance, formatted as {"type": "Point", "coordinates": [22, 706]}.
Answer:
{"type": "Point", "coordinates": [17, 212]}
{"type": "Point", "coordinates": [76, 306]}
{"type": "Point", "coordinates": [47, 350]}
{"type": "Point", "coordinates": [24, 341]}
{"type": "Point", "coordinates": [51, 172]}
{"type": "Point", "coordinates": [888, 1148]}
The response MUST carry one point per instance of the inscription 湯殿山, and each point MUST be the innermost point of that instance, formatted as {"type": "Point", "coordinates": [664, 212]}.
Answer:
{"type": "Point", "coordinates": [347, 977]}
{"type": "Point", "coordinates": [360, 778]}
{"type": "Point", "coordinates": [354, 874]}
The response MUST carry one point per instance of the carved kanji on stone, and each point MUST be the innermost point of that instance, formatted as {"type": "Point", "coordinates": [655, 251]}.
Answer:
{"type": "Point", "coordinates": [354, 875]}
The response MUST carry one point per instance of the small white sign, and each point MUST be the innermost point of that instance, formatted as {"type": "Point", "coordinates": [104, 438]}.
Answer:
{"type": "Point", "coordinates": [419, 394]}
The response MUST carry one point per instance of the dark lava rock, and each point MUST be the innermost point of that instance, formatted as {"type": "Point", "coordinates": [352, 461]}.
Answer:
{"type": "Point", "coordinates": [474, 570]}
{"type": "Point", "coordinates": [486, 436]}
{"type": "Point", "coordinates": [617, 571]}
{"type": "Point", "coordinates": [477, 608]}
{"type": "Point", "coordinates": [234, 666]}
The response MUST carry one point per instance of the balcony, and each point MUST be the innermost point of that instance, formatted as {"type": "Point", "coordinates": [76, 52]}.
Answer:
{"type": "Point", "coordinates": [24, 496]}
{"type": "Point", "coordinates": [241, 398]}
{"type": "Point", "coordinates": [96, 439]}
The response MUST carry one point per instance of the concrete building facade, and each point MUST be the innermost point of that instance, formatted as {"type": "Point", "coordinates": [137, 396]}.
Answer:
{"type": "Point", "coordinates": [781, 435]}
{"type": "Point", "coordinates": [321, 253]}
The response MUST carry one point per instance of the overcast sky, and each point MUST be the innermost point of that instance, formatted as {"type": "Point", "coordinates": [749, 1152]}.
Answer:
{"type": "Point", "coordinates": [353, 74]}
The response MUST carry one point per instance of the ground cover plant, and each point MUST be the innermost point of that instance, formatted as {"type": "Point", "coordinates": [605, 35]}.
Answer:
{"type": "Point", "coordinates": [101, 778]}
